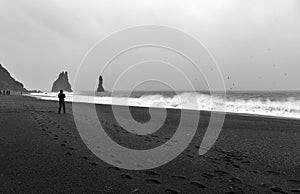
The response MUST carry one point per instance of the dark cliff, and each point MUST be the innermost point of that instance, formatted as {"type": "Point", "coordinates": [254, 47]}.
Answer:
{"type": "Point", "coordinates": [62, 83]}
{"type": "Point", "coordinates": [100, 85]}
{"type": "Point", "coordinates": [7, 82]}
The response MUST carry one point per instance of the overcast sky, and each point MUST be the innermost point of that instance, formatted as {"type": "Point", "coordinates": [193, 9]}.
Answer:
{"type": "Point", "coordinates": [255, 42]}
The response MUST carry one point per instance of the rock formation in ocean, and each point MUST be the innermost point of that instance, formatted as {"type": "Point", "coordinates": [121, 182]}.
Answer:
{"type": "Point", "coordinates": [100, 85]}
{"type": "Point", "coordinates": [7, 82]}
{"type": "Point", "coordinates": [62, 83]}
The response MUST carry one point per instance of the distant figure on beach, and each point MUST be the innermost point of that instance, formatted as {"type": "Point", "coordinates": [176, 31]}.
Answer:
{"type": "Point", "coordinates": [61, 97]}
{"type": "Point", "coordinates": [6, 92]}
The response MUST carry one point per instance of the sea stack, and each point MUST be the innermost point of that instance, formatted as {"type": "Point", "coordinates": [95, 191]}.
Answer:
{"type": "Point", "coordinates": [7, 82]}
{"type": "Point", "coordinates": [100, 85]}
{"type": "Point", "coordinates": [62, 83]}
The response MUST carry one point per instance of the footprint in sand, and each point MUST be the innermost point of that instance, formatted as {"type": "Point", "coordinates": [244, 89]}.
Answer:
{"type": "Point", "coordinates": [208, 175]}
{"type": "Point", "coordinates": [154, 173]}
{"type": "Point", "coordinates": [295, 190]}
{"type": "Point", "coordinates": [71, 148]}
{"type": "Point", "coordinates": [94, 163]}
{"type": "Point", "coordinates": [114, 168]}
{"type": "Point", "coordinates": [68, 153]}
{"type": "Point", "coordinates": [235, 180]}
{"type": "Point", "coordinates": [171, 191]}
{"type": "Point", "coordinates": [273, 172]}
{"type": "Point", "coordinates": [236, 166]}
{"type": "Point", "coordinates": [126, 176]}
{"type": "Point", "coordinates": [294, 181]}
{"type": "Point", "coordinates": [277, 190]}
{"type": "Point", "coordinates": [245, 162]}
{"type": "Point", "coordinates": [63, 145]}
{"type": "Point", "coordinates": [228, 160]}
{"type": "Point", "coordinates": [85, 157]}
{"type": "Point", "coordinates": [197, 184]}
{"type": "Point", "coordinates": [153, 181]}
{"type": "Point", "coordinates": [189, 156]}
{"type": "Point", "coordinates": [179, 177]}
{"type": "Point", "coordinates": [254, 171]}
{"type": "Point", "coordinates": [221, 172]}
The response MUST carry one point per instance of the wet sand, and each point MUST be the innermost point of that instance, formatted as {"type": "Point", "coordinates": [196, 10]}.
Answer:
{"type": "Point", "coordinates": [42, 151]}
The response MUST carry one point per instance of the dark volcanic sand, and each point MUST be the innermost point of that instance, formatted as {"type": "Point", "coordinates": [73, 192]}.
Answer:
{"type": "Point", "coordinates": [41, 151]}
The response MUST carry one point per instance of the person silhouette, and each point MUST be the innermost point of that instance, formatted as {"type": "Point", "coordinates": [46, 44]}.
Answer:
{"type": "Point", "coordinates": [61, 97]}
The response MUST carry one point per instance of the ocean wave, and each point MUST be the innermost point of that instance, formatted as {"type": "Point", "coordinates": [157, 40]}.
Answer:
{"type": "Point", "coordinates": [285, 107]}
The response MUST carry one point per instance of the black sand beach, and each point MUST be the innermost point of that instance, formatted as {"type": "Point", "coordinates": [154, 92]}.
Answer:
{"type": "Point", "coordinates": [41, 151]}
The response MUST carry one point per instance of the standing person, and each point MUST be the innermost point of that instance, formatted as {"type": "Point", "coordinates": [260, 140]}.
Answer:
{"type": "Point", "coordinates": [61, 97]}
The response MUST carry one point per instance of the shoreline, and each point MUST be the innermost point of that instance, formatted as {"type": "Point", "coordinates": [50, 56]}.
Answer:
{"type": "Point", "coordinates": [196, 111]}
{"type": "Point", "coordinates": [42, 151]}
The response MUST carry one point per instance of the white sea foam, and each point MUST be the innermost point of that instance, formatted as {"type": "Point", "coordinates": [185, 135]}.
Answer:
{"type": "Point", "coordinates": [286, 107]}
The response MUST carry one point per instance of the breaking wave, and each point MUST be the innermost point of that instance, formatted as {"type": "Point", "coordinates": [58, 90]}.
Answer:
{"type": "Point", "coordinates": [288, 107]}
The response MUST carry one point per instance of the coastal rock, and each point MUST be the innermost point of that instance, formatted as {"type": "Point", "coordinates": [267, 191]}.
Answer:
{"type": "Point", "coordinates": [62, 83]}
{"type": "Point", "coordinates": [7, 82]}
{"type": "Point", "coordinates": [100, 85]}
